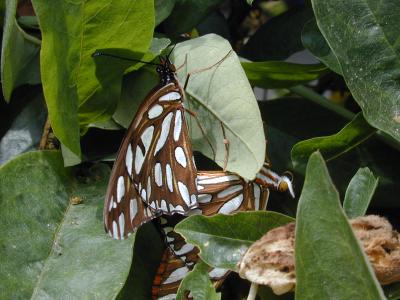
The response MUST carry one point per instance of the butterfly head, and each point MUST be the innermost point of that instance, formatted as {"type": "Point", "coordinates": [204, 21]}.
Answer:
{"type": "Point", "coordinates": [166, 70]}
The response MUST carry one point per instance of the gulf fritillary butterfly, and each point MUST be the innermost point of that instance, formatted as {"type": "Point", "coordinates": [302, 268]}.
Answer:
{"type": "Point", "coordinates": [219, 192]}
{"type": "Point", "coordinates": [154, 172]}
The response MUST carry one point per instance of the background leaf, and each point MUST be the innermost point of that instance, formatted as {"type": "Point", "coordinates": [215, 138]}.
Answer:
{"type": "Point", "coordinates": [279, 74]}
{"type": "Point", "coordinates": [68, 70]}
{"type": "Point", "coordinates": [218, 96]}
{"type": "Point", "coordinates": [322, 226]}
{"type": "Point", "coordinates": [354, 133]}
{"type": "Point", "coordinates": [279, 37]}
{"type": "Point", "coordinates": [187, 14]}
{"type": "Point", "coordinates": [223, 239]}
{"type": "Point", "coordinates": [363, 36]}
{"type": "Point", "coordinates": [25, 132]}
{"type": "Point", "coordinates": [19, 54]}
{"type": "Point", "coordinates": [314, 41]}
{"type": "Point", "coordinates": [198, 283]}
{"type": "Point", "coordinates": [359, 193]}
{"type": "Point", "coordinates": [55, 249]}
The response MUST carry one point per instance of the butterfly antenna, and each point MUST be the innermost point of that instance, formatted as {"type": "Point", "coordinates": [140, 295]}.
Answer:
{"type": "Point", "coordinates": [122, 58]}
{"type": "Point", "coordinates": [171, 52]}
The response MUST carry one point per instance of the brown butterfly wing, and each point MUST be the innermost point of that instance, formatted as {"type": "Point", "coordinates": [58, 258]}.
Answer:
{"type": "Point", "coordinates": [163, 169]}
{"type": "Point", "coordinates": [218, 192]}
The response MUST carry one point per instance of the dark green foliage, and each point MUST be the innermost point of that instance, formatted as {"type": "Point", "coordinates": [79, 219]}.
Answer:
{"type": "Point", "coordinates": [50, 248]}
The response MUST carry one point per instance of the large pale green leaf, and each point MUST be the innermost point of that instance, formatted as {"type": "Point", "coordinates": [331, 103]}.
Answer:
{"type": "Point", "coordinates": [354, 133]}
{"type": "Point", "coordinates": [197, 282]}
{"type": "Point", "coordinates": [363, 35]}
{"type": "Point", "coordinates": [315, 42]}
{"type": "Point", "coordinates": [25, 131]}
{"type": "Point", "coordinates": [223, 239]}
{"type": "Point", "coordinates": [279, 37]}
{"type": "Point", "coordinates": [280, 74]}
{"type": "Point", "coordinates": [50, 248]}
{"type": "Point", "coordinates": [71, 32]}
{"type": "Point", "coordinates": [19, 54]}
{"type": "Point", "coordinates": [219, 96]}
{"type": "Point", "coordinates": [330, 263]}
{"type": "Point", "coordinates": [187, 14]}
{"type": "Point", "coordinates": [359, 193]}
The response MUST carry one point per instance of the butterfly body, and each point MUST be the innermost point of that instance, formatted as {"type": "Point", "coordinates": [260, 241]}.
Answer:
{"type": "Point", "coordinates": [154, 172]}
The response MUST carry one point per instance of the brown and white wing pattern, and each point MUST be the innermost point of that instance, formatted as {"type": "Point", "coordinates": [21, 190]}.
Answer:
{"type": "Point", "coordinates": [154, 172]}
{"type": "Point", "coordinates": [124, 210]}
{"type": "Point", "coordinates": [226, 193]}
{"type": "Point", "coordinates": [219, 192]}
{"type": "Point", "coordinates": [162, 166]}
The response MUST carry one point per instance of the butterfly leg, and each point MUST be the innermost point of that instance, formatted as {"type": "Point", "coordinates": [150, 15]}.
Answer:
{"type": "Point", "coordinates": [204, 69]}
{"type": "Point", "coordinates": [194, 115]}
{"type": "Point", "coordinates": [183, 64]}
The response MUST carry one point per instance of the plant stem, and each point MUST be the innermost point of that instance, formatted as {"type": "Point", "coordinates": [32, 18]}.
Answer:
{"type": "Point", "coordinates": [253, 291]}
{"type": "Point", "coordinates": [309, 94]}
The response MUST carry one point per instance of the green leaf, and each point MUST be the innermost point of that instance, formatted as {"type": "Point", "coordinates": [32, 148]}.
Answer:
{"type": "Point", "coordinates": [26, 130]}
{"type": "Point", "coordinates": [149, 246]}
{"type": "Point", "coordinates": [68, 70]}
{"type": "Point", "coordinates": [19, 54]}
{"type": "Point", "coordinates": [279, 37]}
{"type": "Point", "coordinates": [221, 95]}
{"type": "Point", "coordinates": [280, 74]}
{"type": "Point", "coordinates": [353, 134]}
{"type": "Point", "coordinates": [329, 261]}
{"type": "Point", "coordinates": [359, 193]}
{"type": "Point", "coordinates": [163, 9]}
{"type": "Point", "coordinates": [363, 35]}
{"type": "Point", "coordinates": [50, 248]}
{"type": "Point", "coordinates": [223, 239]}
{"type": "Point", "coordinates": [315, 42]}
{"type": "Point", "coordinates": [197, 282]}
{"type": "Point", "coordinates": [187, 14]}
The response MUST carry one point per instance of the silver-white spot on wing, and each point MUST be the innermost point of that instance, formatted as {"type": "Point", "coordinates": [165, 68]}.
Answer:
{"type": "Point", "coordinates": [179, 209]}
{"type": "Point", "coordinates": [158, 174]}
{"type": "Point", "coordinates": [180, 156]}
{"type": "Point", "coordinates": [168, 173]}
{"type": "Point", "coordinates": [230, 190]}
{"type": "Point", "coordinates": [147, 137]}
{"type": "Point", "coordinates": [121, 223]}
{"type": "Point", "coordinates": [165, 126]}
{"type": "Point", "coordinates": [231, 205]}
{"type": "Point", "coordinates": [204, 198]}
{"type": "Point", "coordinates": [120, 188]}
{"type": "Point", "coordinates": [193, 199]}
{"type": "Point", "coordinates": [155, 111]}
{"type": "Point", "coordinates": [115, 230]}
{"type": "Point", "coordinates": [143, 194]}
{"type": "Point", "coordinates": [177, 125]}
{"type": "Point", "coordinates": [139, 159]}
{"type": "Point", "coordinates": [170, 96]}
{"type": "Point", "coordinates": [148, 188]}
{"type": "Point", "coordinates": [177, 275]}
{"type": "Point", "coordinates": [183, 190]}
{"type": "Point", "coordinates": [128, 159]}
{"type": "Point", "coordinates": [110, 206]}
{"type": "Point", "coordinates": [207, 180]}
{"type": "Point", "coordinates": [133, 208]}
{"type": "Point", "coordinates": [168, 297]}
{"type": "Point", "coordinates": [163, 205]}
{"type": "Point", "coordinates": [185, 249]}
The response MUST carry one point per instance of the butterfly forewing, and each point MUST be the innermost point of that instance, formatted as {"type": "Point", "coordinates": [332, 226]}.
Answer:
{"type": "Point", "coordinates": [154, 171]}
{"type": "Point", "coordinates": [163, 168]}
